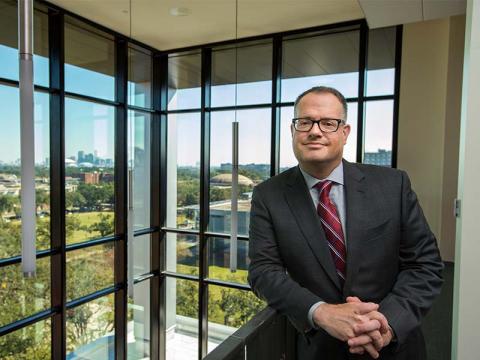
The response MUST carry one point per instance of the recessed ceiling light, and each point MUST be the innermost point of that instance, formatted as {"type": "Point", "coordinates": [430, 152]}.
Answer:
{"type": "Point", "coordinates": [179, 11]}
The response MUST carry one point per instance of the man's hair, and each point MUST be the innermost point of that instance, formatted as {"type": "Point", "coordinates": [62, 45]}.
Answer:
{"type": "Point", "coordinates": [323, 90]}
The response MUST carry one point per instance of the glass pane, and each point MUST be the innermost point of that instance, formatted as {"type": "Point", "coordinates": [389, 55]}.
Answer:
{"type": "Point", "coordinates": [9, 43]}
{"type": "Point", "coordinates": [90, 330]}
{"type": "Point", "coordinates": [228, 310]}
{"type": "Point", "coordinates": [21, 297]}
{"type": "Point", "coordinates": [182, 319]}
{"type": "Point", "coordinates": [184, 81]}
{"type": "Point", "coordinates": [287, 157]}
{"type": "Point", "coordinates": [10, 171]}
{"type": "Point", "coordinates": [328, 60]}
{"type": "Point", "coordinates": [183, 171]}
{"type": "Point", "coordinates": [253, 76]}
{"type": "Point", "coordinates": [219, 260]}
{"type": "Point", "coordinates": [139, 161]}
{"type": "Point", "coordinates": [182, 253]}
{"type": "Point", "coordinates": [138, 322]}
{"type": "Point", "coordinates": [89, 170]}
{"type": "Point", "coordinates": [89, 270]}
{"type": "Point", "coordinates": [381, 61]}
{"type": "Point", "coordinates": [89, 61]}
{"type": "Point", "coordinates": [139, 77]}
{"type": "Point", "coordinates": [254, 164]}
{"type": "Point", "coordinates": [30, 343]}
{"type": "Point", "coordinates": [139, 255]}
{"type": "Point", "coordinates": [378, 132]}
{"type": "Point", "coordinates": [350, 149]}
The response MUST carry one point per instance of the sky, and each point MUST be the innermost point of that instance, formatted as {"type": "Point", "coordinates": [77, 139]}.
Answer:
{"type": "Point", "coordinates": [90, 127]}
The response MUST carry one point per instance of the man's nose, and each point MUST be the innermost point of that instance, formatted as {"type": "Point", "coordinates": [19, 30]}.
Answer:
{"type": "Point", "coordinates": [315, 130]}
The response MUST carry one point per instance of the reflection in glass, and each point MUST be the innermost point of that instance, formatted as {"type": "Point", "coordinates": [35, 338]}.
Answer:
{"type": "Point", "coordinates": [378, 133]}
{"type": "Point", "coordinates": [184, 80]}
{"type": "Point", "coordinates": [139, 77]}
{"type": "Point", "coordinates": [90, 330]}
{"type": "Point", "coordinates": [139, 161]}
{"type": "Point", "coordinates": [228, 310]}
{"type": "Point", "coordinates": [89, 270]}
{"type": "Point", "coordinates": [182, 253]}
{"type": "Point", "coordinates": [138, 322]}
{"type": "Point", "coordinates": [89, 170]}
{"type": "Point", "coordinates": [139, 255]}
{"type": "Point", "coordinates": [9, 43]}
{"type": "Point", "coordinates": [21, 297]}
{"type": "Point", "coordinates": [253, 80]}
{"type": "Point", "coordinates": [89, 61]}
{"type": "Point", "coordinates": [183, 170]}
{"type": "Point", "coordinates": [181, 319]}
{"type": "Point", "coordinates": [10, 177]}
{"type": "Point", "coordinates": [381, 62]}
{"type": "Point", "coordinates": [254, 164]}
{"type": "Point", "coordinates": [328, 60]}
{"type": "Point", "coordinates": [287, 157]}
{"type": "Point", "coordinates": [219, 260]}
{"type": "Point", "coordinates": [30, 343]}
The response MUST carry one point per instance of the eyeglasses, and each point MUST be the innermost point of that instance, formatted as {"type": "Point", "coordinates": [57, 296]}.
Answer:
{"type": "Point", "coordinates": [325, 125]}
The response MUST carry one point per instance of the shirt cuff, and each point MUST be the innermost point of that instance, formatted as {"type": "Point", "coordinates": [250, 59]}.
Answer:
{"type": "Point", "coordinates": [310, 314]}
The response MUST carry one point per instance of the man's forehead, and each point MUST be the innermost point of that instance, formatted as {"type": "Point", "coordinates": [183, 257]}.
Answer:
{"type": "Point", "coordinates": [320, 100]}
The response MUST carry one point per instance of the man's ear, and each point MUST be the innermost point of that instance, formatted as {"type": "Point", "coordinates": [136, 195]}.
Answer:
{"type": "Point", "coordinates": [292, 130]}
{"type": "Point", "coordinates": [346, 131]}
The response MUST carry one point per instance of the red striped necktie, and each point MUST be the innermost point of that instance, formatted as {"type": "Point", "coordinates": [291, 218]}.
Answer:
{"type": "Point", "coordinates": [332, 227]}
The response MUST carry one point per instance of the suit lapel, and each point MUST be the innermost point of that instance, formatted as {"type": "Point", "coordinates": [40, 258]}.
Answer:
{"type": "Point", "coordinates": [355, 197]}
{"type": "Point", "coordinates": [300, 202]}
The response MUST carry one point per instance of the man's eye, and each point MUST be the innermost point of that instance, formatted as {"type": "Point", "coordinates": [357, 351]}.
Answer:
{"type": "Point", "coordinates": [329, 123]}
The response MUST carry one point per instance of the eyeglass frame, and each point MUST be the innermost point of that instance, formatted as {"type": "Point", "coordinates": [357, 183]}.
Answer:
{"type": "Point", "coordinates": [339, 121]}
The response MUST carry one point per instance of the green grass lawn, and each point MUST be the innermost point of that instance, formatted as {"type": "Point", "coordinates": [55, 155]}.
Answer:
{"type": "Point", "coordinates": [86, 219]}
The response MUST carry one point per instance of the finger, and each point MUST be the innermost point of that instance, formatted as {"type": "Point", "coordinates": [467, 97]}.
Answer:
{"type": "Point", "coordinates": [377, 339]}
{"type": "Point", "coordinates": [357, 350]}
{"type": "Point", "coordinates": [366, 327]}
{"type": "Point", "coordinates": [371, 350]}
{"type": "Point", "coordinates": [365, 308]}
{"type": "Point", "coordinates": [359, 340]}
{"type": "Point", "coordinates": [381, 319]}
{"type": "Point", "coordinates": [351, 299]}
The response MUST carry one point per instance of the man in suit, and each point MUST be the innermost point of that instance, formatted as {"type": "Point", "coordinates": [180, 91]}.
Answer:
{"type": "Point", "coordinates": [342, 249]}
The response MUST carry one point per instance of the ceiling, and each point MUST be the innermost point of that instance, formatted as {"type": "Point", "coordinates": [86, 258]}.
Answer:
{"type": "Point", "coordinates": [209, 20]}
{"type": "Point", "coordinates": [153, 22]}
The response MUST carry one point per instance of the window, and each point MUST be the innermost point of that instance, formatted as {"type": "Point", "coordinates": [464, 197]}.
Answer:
{"type": "Point", "coordinates": [325, 59]}
{"type": "Point", "coordinates": [89, 170]}
{"type": "Point", "coordinates": [378, 133]}
{"type": "Point", "coordinates": [184, 79]}
{"type": "Point", "coordinates": [183, 184]}
{"type": "Point", "coordinates": [89, 61]}
{"type": "Point", "coordinates": [139, 77]}
{"type": "Point", "coordinates": [242, 75]}
{"type": "Point", "coordinates": [9, 43]}
{"type": "Point", "coordinates": [106, 134]}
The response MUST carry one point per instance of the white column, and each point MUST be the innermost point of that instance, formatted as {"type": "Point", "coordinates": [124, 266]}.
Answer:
{"type": "Point", "coordinates": [466, 308]}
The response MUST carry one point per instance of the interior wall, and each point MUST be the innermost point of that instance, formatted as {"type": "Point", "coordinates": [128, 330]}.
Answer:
{"type": "Point", "coordinates": [429, 119]}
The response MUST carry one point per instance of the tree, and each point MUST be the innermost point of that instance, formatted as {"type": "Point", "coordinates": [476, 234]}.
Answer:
{"type": "Point", "coordinates": [42, 198]}
{"type": "Point", "coordinates": [104, 225]}
{"type": "Point", "coordinates": [74, 199]}
{"type": "Point", "coordinates": [7, 203]}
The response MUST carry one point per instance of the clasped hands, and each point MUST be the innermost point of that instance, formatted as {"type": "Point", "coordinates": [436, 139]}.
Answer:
{"type": "Point", "coordinates": [356, 322]}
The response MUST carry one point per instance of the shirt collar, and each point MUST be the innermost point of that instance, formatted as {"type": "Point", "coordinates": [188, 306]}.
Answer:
{"type": "Point", "coordinates": [336, 176]}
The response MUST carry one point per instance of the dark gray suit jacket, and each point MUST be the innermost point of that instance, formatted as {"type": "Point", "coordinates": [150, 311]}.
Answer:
{"type": "Point", "coordinates": [392, 256]}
